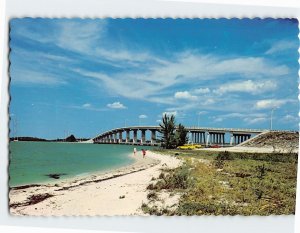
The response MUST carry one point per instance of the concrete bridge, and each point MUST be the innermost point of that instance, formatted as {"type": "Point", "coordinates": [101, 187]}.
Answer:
{"type": "Point", "coordinates": [197, 135]}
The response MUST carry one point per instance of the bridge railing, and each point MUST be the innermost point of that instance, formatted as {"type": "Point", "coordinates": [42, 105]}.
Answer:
{"type": "Point", "coordinates": [190, 128]}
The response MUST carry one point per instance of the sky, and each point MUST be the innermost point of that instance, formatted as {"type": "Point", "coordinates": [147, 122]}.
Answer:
{"type": "Point", "coordinates": [85, 76]}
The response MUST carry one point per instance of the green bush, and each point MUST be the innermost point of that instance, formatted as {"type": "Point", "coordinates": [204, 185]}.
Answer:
{"type": "Point", "coordinates": [224, 155]}
{"type": "Point", "coordinates": [248, 184]}
{"type": "Point", "coordinates": [176, 179]}
{"type": "Point", "coordinates": [206, 208]}
{"type": "Point", "coordinates": [219, 164]}
{"type": "Point", "coordinates": [261, 171]}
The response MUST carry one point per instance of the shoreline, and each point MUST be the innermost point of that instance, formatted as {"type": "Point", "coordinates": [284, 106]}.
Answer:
{"type": "Point", "coordinates": [85, 175]}
{"type": "Point", "coordinates": [118, 192]}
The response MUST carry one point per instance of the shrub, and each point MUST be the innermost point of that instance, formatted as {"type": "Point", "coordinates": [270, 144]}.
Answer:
{"type": "Point", "coordinates": [206, 208]}
{"type": "Point", "coordinates": [261, 171]}
{"type": "Point", "coordinates": [152, 195]}
{"type": "Point", "coordinates": [259, 193]}
{"type": "Point", "coordinates": [224, 156]}
{"type": "Point", "coordinates": [151, 187]}
{"type": "Point", "coordinates": [219, 164]}
{"type": "Point", "coordinates": [176, 179]}
{"type": "Point", "coordinates": [161, 176]}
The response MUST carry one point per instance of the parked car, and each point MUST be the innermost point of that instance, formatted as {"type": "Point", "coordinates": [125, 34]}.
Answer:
{"type": "Point", "coordinates": [189, 147]}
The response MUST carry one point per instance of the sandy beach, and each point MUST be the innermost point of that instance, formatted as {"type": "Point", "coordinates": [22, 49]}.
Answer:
{"type": "Point", "coordinates": [118, 192]}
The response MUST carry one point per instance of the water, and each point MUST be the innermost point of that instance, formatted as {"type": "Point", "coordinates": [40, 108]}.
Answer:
{"type": "Point", "coordinates": [30, 162]}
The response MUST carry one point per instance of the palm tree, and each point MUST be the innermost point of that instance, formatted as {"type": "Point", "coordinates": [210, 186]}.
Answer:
{"type": "Point", "coordinates": [167, 130]}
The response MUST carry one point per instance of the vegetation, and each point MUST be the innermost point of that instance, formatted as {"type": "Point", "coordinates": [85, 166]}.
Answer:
{"type": "Point", "coordinates": [70, 138]}
{"type": "Point", "coordinates": [33, 139]}
{"type": "Point", "coordinates": [168, 131]}
{"type": "Point", "coordinates": [181, 135]}
{"type": "Point", "coordinates": [227, 183]}
{"type": "Point", "coordinates": [172, 136]}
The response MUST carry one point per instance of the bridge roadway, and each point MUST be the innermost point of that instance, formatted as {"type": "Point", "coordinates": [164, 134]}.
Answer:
{"type": "Point", "coordinates": [197, 135]}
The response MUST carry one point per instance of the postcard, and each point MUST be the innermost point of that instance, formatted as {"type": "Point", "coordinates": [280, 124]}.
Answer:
{"type": "Point", "coordinates": [165, 117]}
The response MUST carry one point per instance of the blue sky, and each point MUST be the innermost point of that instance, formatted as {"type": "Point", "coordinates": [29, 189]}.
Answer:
{"type": "Point", "coordinates": [85, 76]}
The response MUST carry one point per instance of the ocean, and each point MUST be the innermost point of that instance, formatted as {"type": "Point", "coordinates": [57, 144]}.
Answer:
{"type": "Point", "coordinates": [32, 162]}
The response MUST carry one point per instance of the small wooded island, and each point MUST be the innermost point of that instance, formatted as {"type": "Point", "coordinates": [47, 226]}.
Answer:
{"type": "Point", "coordinates": [70, 138]}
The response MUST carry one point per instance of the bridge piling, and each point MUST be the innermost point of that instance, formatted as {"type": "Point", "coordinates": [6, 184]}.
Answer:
{"type": "Point", "coordinates": [135, 140]}
{"type": "Point", "coordinates": [207, 139]}
{"type": "Point", "coordinates": [143, 138]}
{"type": "Point", "coordinates": [120, 136]}
{"type": "Point", "coordinates": [153, 136]}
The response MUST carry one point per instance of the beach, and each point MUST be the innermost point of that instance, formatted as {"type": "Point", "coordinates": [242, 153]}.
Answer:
{"type": "Point", "coordinates": [117, 192]}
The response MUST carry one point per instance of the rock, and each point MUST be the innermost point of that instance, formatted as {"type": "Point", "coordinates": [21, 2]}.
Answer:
{"type": "Point", "coordinates": [55, 175]}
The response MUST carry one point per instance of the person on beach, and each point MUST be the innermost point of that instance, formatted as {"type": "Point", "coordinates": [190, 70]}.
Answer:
{"type": "Point", "coordinates": [134, 151]}
{"type": "Point", "coordinates": [144, 153]}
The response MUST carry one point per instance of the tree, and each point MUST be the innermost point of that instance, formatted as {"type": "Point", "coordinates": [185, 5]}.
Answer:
{"type": "Point", "coordinates": [181, 135]}
{"type": "Point", "coordinates": [167, 130]}
{"type": "Point", "coordinates": [71, 138]}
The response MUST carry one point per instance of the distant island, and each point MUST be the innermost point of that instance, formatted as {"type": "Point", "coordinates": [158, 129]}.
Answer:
{"type": "Point", "coordinates": [70, 138]}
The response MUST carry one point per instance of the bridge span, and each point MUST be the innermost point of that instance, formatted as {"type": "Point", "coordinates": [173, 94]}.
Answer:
{"type": "Point", "coordinates": [136, 135]}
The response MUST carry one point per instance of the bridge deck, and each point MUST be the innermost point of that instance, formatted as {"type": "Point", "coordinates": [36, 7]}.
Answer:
{"type": "Point", "coordinates": [189, 129]}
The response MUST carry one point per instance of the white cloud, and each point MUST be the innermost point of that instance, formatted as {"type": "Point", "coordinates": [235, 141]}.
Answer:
{"type": "Point", "coordinates": [249, 118]}
{"type": "Point", "coordinates": [86, 105]}
{"type": "Point", "coordinates": [184, 95]}
{"type": "Point", "coordinates": [143, 116]}
{"type": "Point", "coordinates": [290, 118]}
{"type": "Point", "coordinates": [116, 105]}
{"type": "Point", "coordinates": [270, 103]}
{"type": "Point", "coordinates": [34, 77]}
{"type": "Point", "coordinates": [202, 90]}
{"type": "Point", "coordinates": [218, 119]}
{"type": "Point", "coordinates": [249, 67]}
{"type": "Point", "coordinates": [255, 120]}
{"type": "Point", "coordinates": [283, 46]}
{"type": "Point", "coordinates": [89, 38]}
{"type": "Point", "coordinates": [186, 68]}
{"type": "Point", "coordinates": [158, 121]}
{"type": "Point", "coordinates": [150, 77]}
{"type": "Point", "coordinates": [248, 86]}
{"type": "Point", "coordinates": [208, 101]}
{"type": "Point", "coordinates": [202, 113]}
{"type": "Point", "coordinates": [243, 115]}
{"type": "Point", "coordinates": [80, 36]}
{"type": "Point", "coordinates": [174, 113]}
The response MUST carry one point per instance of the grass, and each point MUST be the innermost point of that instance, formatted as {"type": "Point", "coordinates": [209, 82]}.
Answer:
{"type": "Point", "coordinates": [229, 184]}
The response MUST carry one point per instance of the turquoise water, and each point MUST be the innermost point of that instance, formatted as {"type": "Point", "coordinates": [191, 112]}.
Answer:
{"type": "Point", "coordinates": [30, 162]}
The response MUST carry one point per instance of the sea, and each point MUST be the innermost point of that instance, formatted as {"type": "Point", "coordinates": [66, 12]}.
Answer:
{"type": "Point", "coordinates": [33, 162]}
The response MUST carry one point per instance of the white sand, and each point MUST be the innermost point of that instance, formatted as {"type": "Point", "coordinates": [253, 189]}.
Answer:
{"type": "Point", "coordinates": [91, 196]}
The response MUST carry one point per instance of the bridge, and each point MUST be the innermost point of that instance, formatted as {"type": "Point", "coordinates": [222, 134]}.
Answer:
{"type": "Point", "coordinates": [136, 135]}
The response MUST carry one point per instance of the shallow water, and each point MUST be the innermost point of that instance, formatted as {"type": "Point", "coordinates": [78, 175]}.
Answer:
{"type": "Point", "coordinates": [31, 162]}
